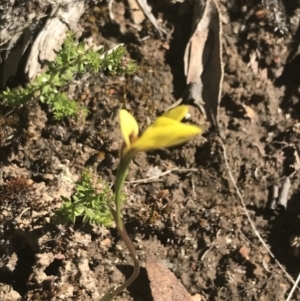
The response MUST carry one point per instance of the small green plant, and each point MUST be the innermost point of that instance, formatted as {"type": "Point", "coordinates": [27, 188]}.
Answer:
{"type": "Point", "coordinates": [90, 201]}
{"type": "Point", "coordinates": [166, 131]}
{"type": "Point", "coordinates": [72, 60]}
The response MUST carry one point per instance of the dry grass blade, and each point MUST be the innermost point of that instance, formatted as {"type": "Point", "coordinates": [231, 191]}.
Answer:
{"type": "Point", "coordinates": [293, 288]}
{"type": "Point", "coordinates": [150, 16]}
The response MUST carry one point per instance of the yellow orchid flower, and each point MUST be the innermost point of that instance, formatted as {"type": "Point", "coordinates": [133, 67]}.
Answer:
{"type": "Point", "coordinates": [166, 131]}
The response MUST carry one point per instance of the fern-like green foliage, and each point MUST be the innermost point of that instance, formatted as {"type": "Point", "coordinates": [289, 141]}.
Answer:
{"type": "Point", "coordinates": [90, 201]}
{"type": "Point", "coordinates": [72, 60]}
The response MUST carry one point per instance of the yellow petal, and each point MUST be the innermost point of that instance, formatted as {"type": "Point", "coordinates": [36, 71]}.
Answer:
{"type": "Point", "coordinates": [165, 132]}
{"type": "Point", "coordinates": [177, 113]}
{"type": "Point", "coordinates": [129, 127]}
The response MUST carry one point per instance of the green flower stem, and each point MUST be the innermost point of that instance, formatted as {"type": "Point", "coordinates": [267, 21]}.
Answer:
{"type": "Point", "coordinates": [120, 179]}
{"type": "Point", "coordinates": [136, 264]}
{"type": "Point", "coordinates": [117, 214]}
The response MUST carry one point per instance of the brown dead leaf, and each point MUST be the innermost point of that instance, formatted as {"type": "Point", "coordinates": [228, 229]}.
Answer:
{"type": "Point", "coordinates": [164, 285]}
{"type": "Point", "coordinates": [197, 42]}
{"type": "Point", "coordinates": [203, 60]}
{"type": "Point", "coordinates": [244, 252]}
{"type": "Point", "coordinates": [163, 193]}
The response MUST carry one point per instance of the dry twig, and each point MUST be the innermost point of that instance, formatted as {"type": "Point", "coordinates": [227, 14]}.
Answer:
{"type": "Point", "coordinates": [248, 215]}
{"type": "Point", "coordinates": [111, 14]}
{"type": "Point", "coordinates": [156, 177]}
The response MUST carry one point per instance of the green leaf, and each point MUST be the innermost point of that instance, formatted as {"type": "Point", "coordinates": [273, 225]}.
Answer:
{"type": "Point", "coordinates": [88, 202]}
{"type": "Point", "coordinates": [72, 60]}
{"type": "Point", "coordinates": [78, 209]}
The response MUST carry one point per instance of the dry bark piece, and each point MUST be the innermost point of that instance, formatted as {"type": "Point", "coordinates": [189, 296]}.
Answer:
{"type": "Point", "coordinates": [21, 27]}
{"type": "Point", "coordinates": [164, 285]}
{"type": "Point", "coordinates": [53, 34]}
{"type": "Point", "coordinates": [203, 60]}
{"type": "Point", "coordinates": [275, 193]}
{"type": "Point", "coordinates": [283, 196]}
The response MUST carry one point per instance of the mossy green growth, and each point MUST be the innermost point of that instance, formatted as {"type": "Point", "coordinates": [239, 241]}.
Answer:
{"type": "Point", "coordinates": [90, 201]}
{"type": "Point", "coordinates": [72, 60]}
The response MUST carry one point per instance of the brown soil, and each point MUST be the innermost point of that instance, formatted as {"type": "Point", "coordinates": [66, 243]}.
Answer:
{"type": "Point", "coordinates": [199, 230]}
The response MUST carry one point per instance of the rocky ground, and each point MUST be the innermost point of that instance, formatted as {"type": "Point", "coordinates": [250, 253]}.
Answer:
{"type": "Point", "coordinates": [192, 217]}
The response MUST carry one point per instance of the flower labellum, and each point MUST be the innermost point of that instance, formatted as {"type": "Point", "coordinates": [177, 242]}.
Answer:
{"type": "Point", "coordinates": [166, 131]}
